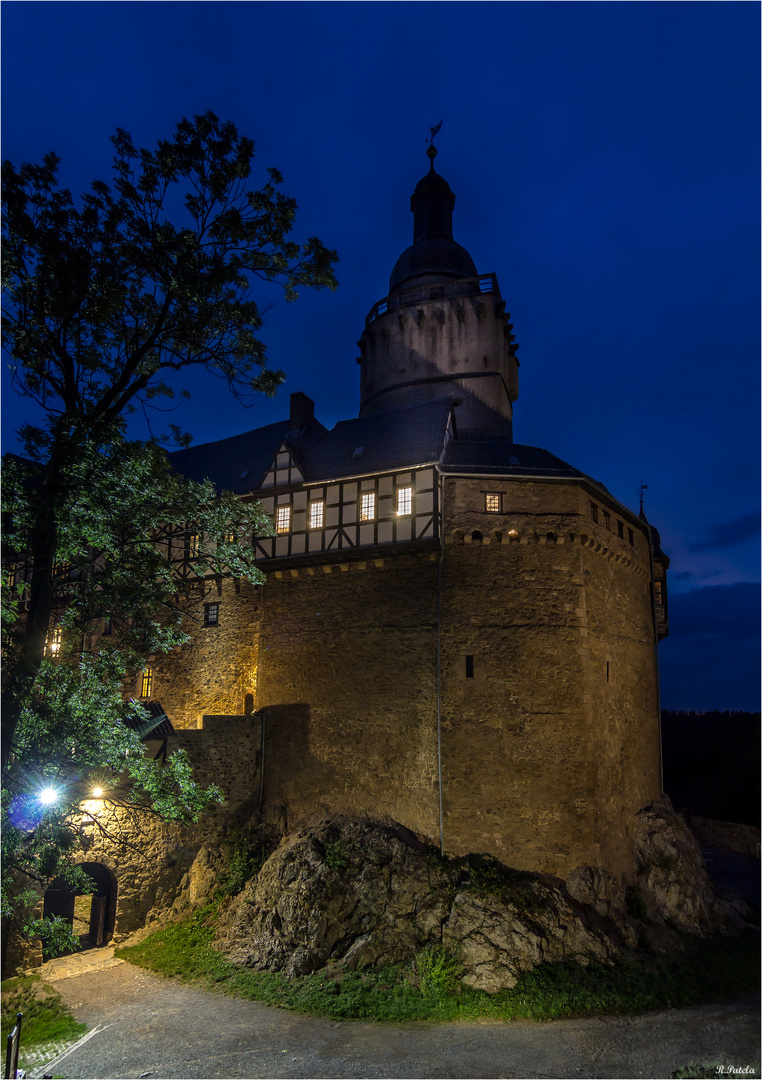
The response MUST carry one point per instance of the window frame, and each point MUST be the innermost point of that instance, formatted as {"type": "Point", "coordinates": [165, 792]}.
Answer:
{"type": "Point", "coordinates": [404, 499]}
{"type": "Point", "coordinates": [498, 496]}
{"type": "Point", "coordinates": [208, 621]}
{"type": "Point", "coordinates": [146, 683]}
{"type": "Point", "coordinates": [368, 507]}
{"type": "Point", "coordinates": [316, 514]}
{"type": "Point", "coordinates": [283, 528]}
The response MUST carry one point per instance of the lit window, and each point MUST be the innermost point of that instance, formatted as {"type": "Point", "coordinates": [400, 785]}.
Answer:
{"type": "Point", "coordinates": [316, 515]}
{"type": "Point", "coordinates": [146, 685]}
{"type": "Point", "coordinates": [493, 504]}
{"type": "Point", "coordinates": [229, 538]}
{"type": "Point", "coordinates": [657, 593]}
{"type": "Point", "coordinates": [11, 577]}
{"type": "Point", "coordinates": [368, 506]}
{"type": "Point", "coordinates": [606, 519]}
{"type": "Point", "coordinates": [283, 519]}
{"type": "Point", "coordinates": [404, 501]}
{"type": "Point", "coordinates": [54, 642]}
{"type": "Point", "coordinates": [190, 546]}
{"type": "Point", "coordinates": [211, 614]}
{"type": "Point", "coordinates": [594, 512]}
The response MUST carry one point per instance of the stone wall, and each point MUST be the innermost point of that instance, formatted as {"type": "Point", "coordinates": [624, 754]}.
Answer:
{"type": "Point", "coordinates": [550, 719]}
{"type": "Point", "coordinates": [347, 680]}
{"type": "Point", "coordinates": [214, 673]}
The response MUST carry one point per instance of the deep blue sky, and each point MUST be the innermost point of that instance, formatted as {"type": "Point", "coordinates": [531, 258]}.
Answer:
{"type": "Point", "coordinates": [605, 159]}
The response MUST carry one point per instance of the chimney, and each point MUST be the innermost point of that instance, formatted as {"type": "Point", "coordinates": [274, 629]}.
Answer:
{"type": "Point", "coordinates": [302, 411]}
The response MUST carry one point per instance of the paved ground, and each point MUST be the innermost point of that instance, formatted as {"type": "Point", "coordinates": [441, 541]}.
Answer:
{"type": "Point", "coordinates": [152, 1027]}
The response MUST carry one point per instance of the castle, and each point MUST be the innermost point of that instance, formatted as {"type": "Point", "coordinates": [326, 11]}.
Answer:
{"type": "Point", "coordinates": [457, 632]}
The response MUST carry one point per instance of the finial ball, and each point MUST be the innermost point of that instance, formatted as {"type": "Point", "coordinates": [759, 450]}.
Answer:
{"type": "Point", "coordinates": [431, 151]}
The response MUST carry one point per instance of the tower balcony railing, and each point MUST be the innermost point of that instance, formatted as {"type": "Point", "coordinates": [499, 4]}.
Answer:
{"type": "Point", "coordinates": [437, 290]}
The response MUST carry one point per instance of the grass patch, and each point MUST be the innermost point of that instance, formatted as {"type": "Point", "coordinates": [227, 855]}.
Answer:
{"type": "Point", "coordinates": [431, 987]}
{"type": "Point", "coordinates": [46, 1019]}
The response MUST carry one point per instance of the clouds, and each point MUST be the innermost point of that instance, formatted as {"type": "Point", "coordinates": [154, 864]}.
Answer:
{"type": "Point", "coordinates": [711, 658]}
{"type": "Point", "coordinates": [729, 533]}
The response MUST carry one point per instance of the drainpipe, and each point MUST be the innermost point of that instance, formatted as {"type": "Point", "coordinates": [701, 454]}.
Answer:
{"type": "Point", "coordinates": [656, 655]}
{"type": "Point", "coordinates": [262, 721]}
{"type": "Point", "coordinates": [439, 668]}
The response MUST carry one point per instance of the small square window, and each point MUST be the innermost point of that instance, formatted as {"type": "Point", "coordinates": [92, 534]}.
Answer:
{"type": "Point", "coordinates": [146, 683]}
{"type": "Point", "coordinates": [493, 504]}
{"type": "Point", "coordinates": [317, 510]}
{"type": "Point", "coordinates": [368, 506]}
{"type": "Point", "coordinates": [229, 538]}
{"type": "Point", "coordinates": [404, 501]}
{"type": "Point", "coordinates": [283, 519]}
{"type": "Point", "coordinates": [211, 614]}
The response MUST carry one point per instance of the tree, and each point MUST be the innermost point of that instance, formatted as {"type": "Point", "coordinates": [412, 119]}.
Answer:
{"type": "Point", "coordinates": [102, 302]}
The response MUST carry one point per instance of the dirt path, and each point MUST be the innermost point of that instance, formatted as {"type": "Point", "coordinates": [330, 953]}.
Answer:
{"type": "Point", "coordinates": [157, 1028]}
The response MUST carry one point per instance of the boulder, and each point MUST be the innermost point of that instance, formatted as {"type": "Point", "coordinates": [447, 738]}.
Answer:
{"type": "Point", "coordinates": [366, 892]}
{"type": "Point", "coordinates": [672, 876]}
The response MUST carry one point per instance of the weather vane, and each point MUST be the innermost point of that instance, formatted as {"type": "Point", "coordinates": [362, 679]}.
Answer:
{"type": "Point", "coordinates": [643, 487]}
{"type": "Point", "coordinates": [432, 150]}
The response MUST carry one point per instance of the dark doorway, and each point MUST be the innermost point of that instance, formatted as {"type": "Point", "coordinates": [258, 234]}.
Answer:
{"type": "Point", "coordinates": [90, 915]}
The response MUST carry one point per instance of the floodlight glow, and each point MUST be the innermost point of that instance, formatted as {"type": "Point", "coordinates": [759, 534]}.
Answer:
{"type": "Point", "coordinates": [48, 796]}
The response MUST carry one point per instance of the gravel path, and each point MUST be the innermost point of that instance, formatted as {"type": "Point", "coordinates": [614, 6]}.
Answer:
{"type": "Point", "coordinates": [158, 1028]}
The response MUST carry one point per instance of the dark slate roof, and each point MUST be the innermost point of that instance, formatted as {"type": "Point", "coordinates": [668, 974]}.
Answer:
{"type": "Point", "coordinates": [239, 464]}
{"type": "Point", "coordinates": [394, 440]}
{"type": "Point", "coordinates": [512, 459]}
{"type": "Point", "coordinates": [509, 459]}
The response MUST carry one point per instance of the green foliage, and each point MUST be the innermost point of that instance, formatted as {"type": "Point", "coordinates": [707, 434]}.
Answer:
{"type": "Point", "coordinates": [107, 295]}
{"type": "Point", "coordinates": [46, 1019]}
{"type": "Point", "coordinates": [430, 986]}
{"type": "Point", "coordinates": [245, 854]}
{"type": "Point", "coordinates": [105, 300]}
{"type": "Point", "coordinates": [439, 973]}
{"type": "Point", "coordinates": [636, 905]}
{"type": "Point", "coordinates": [54, 934]}
{"type": "Point", "coordinates": [335, 855]}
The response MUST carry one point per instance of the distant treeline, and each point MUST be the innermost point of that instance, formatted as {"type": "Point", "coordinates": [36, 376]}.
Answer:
{"type": "Point", "coordinates": [712, 764]}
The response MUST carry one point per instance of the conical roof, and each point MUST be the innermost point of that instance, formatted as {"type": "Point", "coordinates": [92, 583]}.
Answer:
{"type": "Point", "coordinates": [433, 252]}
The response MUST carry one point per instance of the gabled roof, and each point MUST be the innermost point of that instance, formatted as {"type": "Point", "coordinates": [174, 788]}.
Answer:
{"type": "Point", "coordinates": [240, 463]}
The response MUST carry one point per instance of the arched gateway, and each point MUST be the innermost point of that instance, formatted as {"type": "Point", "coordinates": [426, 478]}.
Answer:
{"type": "Point", "coordinates": [90, 915]}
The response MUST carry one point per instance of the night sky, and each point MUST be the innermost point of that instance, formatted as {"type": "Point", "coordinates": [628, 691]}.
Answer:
{"type": "Point", "coordinates": [605, 161]}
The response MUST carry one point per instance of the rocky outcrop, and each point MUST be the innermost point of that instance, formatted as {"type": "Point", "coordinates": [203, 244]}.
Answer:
{"type": "Point", "coordinates": [672, 877]}
{"type": "Point", "coordinates": [361, 892]}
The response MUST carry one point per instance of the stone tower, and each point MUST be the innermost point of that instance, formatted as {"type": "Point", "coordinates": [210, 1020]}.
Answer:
{"type": "Point", "coordinates": [442, 331]}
